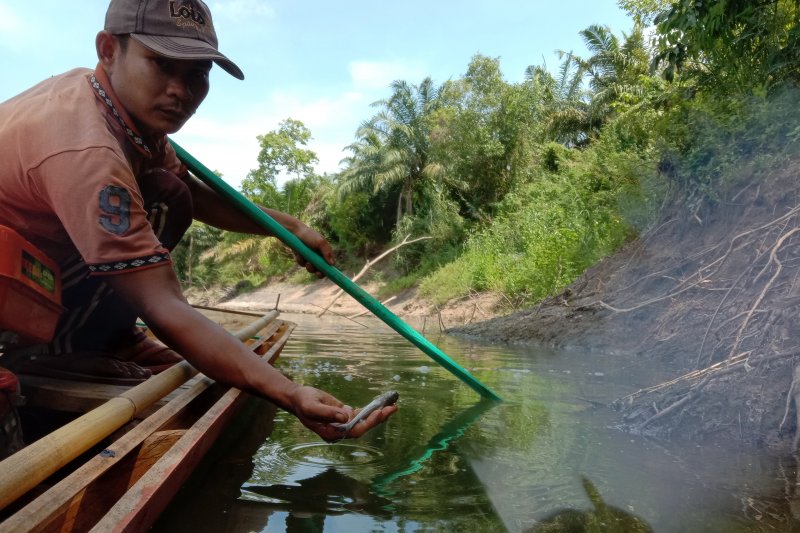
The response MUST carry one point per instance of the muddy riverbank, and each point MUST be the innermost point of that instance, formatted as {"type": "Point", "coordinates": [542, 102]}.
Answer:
{"type": "Point", "coordinates": [713, 298]}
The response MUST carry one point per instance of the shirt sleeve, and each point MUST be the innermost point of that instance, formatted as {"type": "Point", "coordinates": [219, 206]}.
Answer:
{"type": "Point", "coordinates": [95, 196]}
{"type": "Point", "coordinates": [173, 163]}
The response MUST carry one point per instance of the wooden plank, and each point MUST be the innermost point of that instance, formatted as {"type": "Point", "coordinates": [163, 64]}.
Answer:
{"type": "Point", "coordinates": [148, 497]}
{"type": "Point", "coordinates": [74, 504]}
{"type": "Point", "coordinates": [81, 397]}
{"type": "Point", "coordinates": [231, 311]}
{"type": "Point", "coordinates": [47, 512]}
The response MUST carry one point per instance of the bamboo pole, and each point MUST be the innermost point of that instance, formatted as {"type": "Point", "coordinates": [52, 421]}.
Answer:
{"type": "Point", "coordinates": [225, 310]}
{"type": "Point", "coordinates": [258, 216]}
{"type": "Point", "coordinates": [33, 464]}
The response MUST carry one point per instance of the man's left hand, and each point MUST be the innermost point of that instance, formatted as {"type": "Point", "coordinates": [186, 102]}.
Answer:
{"type": "Point", "coordinates": [316, 242]}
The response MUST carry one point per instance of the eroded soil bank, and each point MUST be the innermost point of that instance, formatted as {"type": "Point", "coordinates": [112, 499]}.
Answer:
{"type": "Point", "coordinates": [712, 298]}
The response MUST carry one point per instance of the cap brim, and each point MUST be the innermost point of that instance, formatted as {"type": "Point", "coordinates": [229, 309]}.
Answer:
{"type": "Point", "coordinates": [189, 49]}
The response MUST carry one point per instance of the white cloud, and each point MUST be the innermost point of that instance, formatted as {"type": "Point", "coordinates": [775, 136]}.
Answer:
{"type": "Point", "coordinates": [329, 154]}
{"type": "Point", "coordinates": [16, 32]}
{"type": "Point", "coordinates": [316, 113]}
{"type": "Point", "coordinates": [229, 145]}
{"type": "Point", "coordinates": [228, 148]}
{"type": "Point", "coordinates": [241, 10]}
{"type": "Point", "coordinates": [379, 75]}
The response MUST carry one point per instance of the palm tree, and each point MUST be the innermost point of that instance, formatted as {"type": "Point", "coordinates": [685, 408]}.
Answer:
{"type": "Point", "coordinates": [564, 102]}
{"type": "Point", "coordinates": [363, 165]}
{"type": "Point", "coordinates": [393, 147]}
{"type": "Point", "coordinates": [614, 70]}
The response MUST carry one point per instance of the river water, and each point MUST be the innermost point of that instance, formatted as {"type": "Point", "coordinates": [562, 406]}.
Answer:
{"type": "Point", "coordinates": [548, 458]}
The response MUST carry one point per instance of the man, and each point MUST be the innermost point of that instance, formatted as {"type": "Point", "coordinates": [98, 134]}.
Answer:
{"type": "Point", "coordinates": [89, 178]}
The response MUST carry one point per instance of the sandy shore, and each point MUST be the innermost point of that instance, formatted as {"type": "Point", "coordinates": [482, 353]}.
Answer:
{"type": "Point", "coordinates": [314, 297]}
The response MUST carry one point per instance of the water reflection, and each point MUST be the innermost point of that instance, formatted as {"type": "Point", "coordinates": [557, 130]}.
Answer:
{"type": "Point", "coordinates": [311, 481]}
{"type": "Point", "coordinates": [452, 430]}
{"type": "Point", "coordinates": [329, 492]}
{"type": "Point", "coordinates": [445, 463]}
{"type": "Point", "coordinates": [602, 518]}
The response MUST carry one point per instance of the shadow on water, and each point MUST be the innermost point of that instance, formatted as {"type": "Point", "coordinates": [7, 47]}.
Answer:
{"type": "Point", "coordinates": [329, 492]}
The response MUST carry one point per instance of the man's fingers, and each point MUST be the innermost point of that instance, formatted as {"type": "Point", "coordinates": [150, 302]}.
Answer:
{"type": "Point", "coordinates": [378, 417]}
{"type": "Point", "coordinates": [327, 254]}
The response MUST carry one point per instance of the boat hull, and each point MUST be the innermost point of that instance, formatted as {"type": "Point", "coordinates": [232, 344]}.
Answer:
{"type": "Point", "coordinates": [127, 483]}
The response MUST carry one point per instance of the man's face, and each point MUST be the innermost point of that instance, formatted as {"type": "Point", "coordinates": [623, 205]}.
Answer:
{"type": "Point", "coordinates": [159, 93]}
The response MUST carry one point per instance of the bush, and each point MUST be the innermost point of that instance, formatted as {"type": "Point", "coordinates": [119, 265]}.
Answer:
{"type": "Point", "coordinates": [546, 233]}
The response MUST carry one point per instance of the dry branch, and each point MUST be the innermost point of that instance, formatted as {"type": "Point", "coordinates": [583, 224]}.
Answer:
{"type": "Point", "coordinates": [365, 311]}
{"type": "Point", "coordinates": [716, 265]}
{"type": "Point", "coordinates": [367, 266]}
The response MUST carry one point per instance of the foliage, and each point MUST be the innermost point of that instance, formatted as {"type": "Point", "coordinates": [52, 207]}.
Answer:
{"type": "Point", "coordinates": [644, 11]}
{"type": "Point", "coordinates": [438, 219]}
{"type": "Point", "coordinates": [561, 101]}
{"type": "Point", "coordinates": [712, 144]}
{"type": "Point", "coordinates": [730, 45]}
{"type": "Point", "coordinates": [546, 233]}
{"type": "Point", "coordinates": [280, 152]}
{"type": "Point", "coordinates": [357, 223]}
{"type": "Point", "coordinates": [616, 70]}
{"type": "Point", "coordinates": [252, 257]}
{"type": "Point", "coordinates": [479, 135]}
{"type": "Point", "coordinates": [255, 258]}
{"type": "Point", "coordinates": [187, 257]}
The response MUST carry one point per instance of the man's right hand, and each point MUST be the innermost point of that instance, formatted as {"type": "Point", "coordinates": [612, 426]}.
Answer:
{"type": "Point", "coordinates": [318, 410]}
{"type": "Point", "coordinates": [155, 295]}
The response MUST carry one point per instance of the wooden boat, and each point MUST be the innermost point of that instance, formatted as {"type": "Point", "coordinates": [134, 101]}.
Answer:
{"type": "Point", "coordinates": [143, 443]}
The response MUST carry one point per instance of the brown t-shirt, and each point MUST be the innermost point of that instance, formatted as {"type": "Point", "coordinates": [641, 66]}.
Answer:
{"type": "Point", "coordinates": [69, 157]}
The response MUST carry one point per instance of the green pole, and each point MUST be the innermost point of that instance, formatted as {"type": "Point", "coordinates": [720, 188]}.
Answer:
{"type": "Point", "coordinates": [364, 298]}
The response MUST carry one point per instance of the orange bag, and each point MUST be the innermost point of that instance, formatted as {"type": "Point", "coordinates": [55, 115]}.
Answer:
{"type": "Point", "coordinates": [30, 291]}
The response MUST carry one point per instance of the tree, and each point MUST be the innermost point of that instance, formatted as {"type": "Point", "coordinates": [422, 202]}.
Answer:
{"type": "Point", "coordinates": [732, 45]}
{"type": "Point", "coordinates": [563, 100]}
{"type": "Point", "coordinates": [186, 256]}
{"type": "Point", "coordinates": [643, 11]}
{"type": "Point", "coordinates": [479, 134]}
{"type": "Point", "coordinates": [615, 70]}
{"type": "Point", "coordinates": [393, 147]}
{"type": "Point", "coordinates": [281, 152]}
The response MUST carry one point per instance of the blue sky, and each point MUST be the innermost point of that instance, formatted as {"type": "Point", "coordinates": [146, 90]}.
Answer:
{"type": "Point", "coordinates": [317, 61]}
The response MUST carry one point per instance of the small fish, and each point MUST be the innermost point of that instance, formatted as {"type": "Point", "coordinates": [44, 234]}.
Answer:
{"type": "Point", "coordinates": [387, 398]}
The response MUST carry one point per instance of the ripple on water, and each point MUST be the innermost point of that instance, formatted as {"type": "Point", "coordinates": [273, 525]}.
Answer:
{"type": "Point", "coordinates": [343, 456]}
{"type": "Point", "coordinates": [294, 463]}
{"type": "Point", "coordinates": [317, 477]}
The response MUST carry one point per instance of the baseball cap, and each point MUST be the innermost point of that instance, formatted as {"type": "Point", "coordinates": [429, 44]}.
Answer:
{"type": "Point", "coordinates": [177, 29]}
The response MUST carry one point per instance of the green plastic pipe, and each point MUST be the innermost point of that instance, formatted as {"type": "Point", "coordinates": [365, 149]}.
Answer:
{"type": "Point", "coordinates": [364, 298]}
